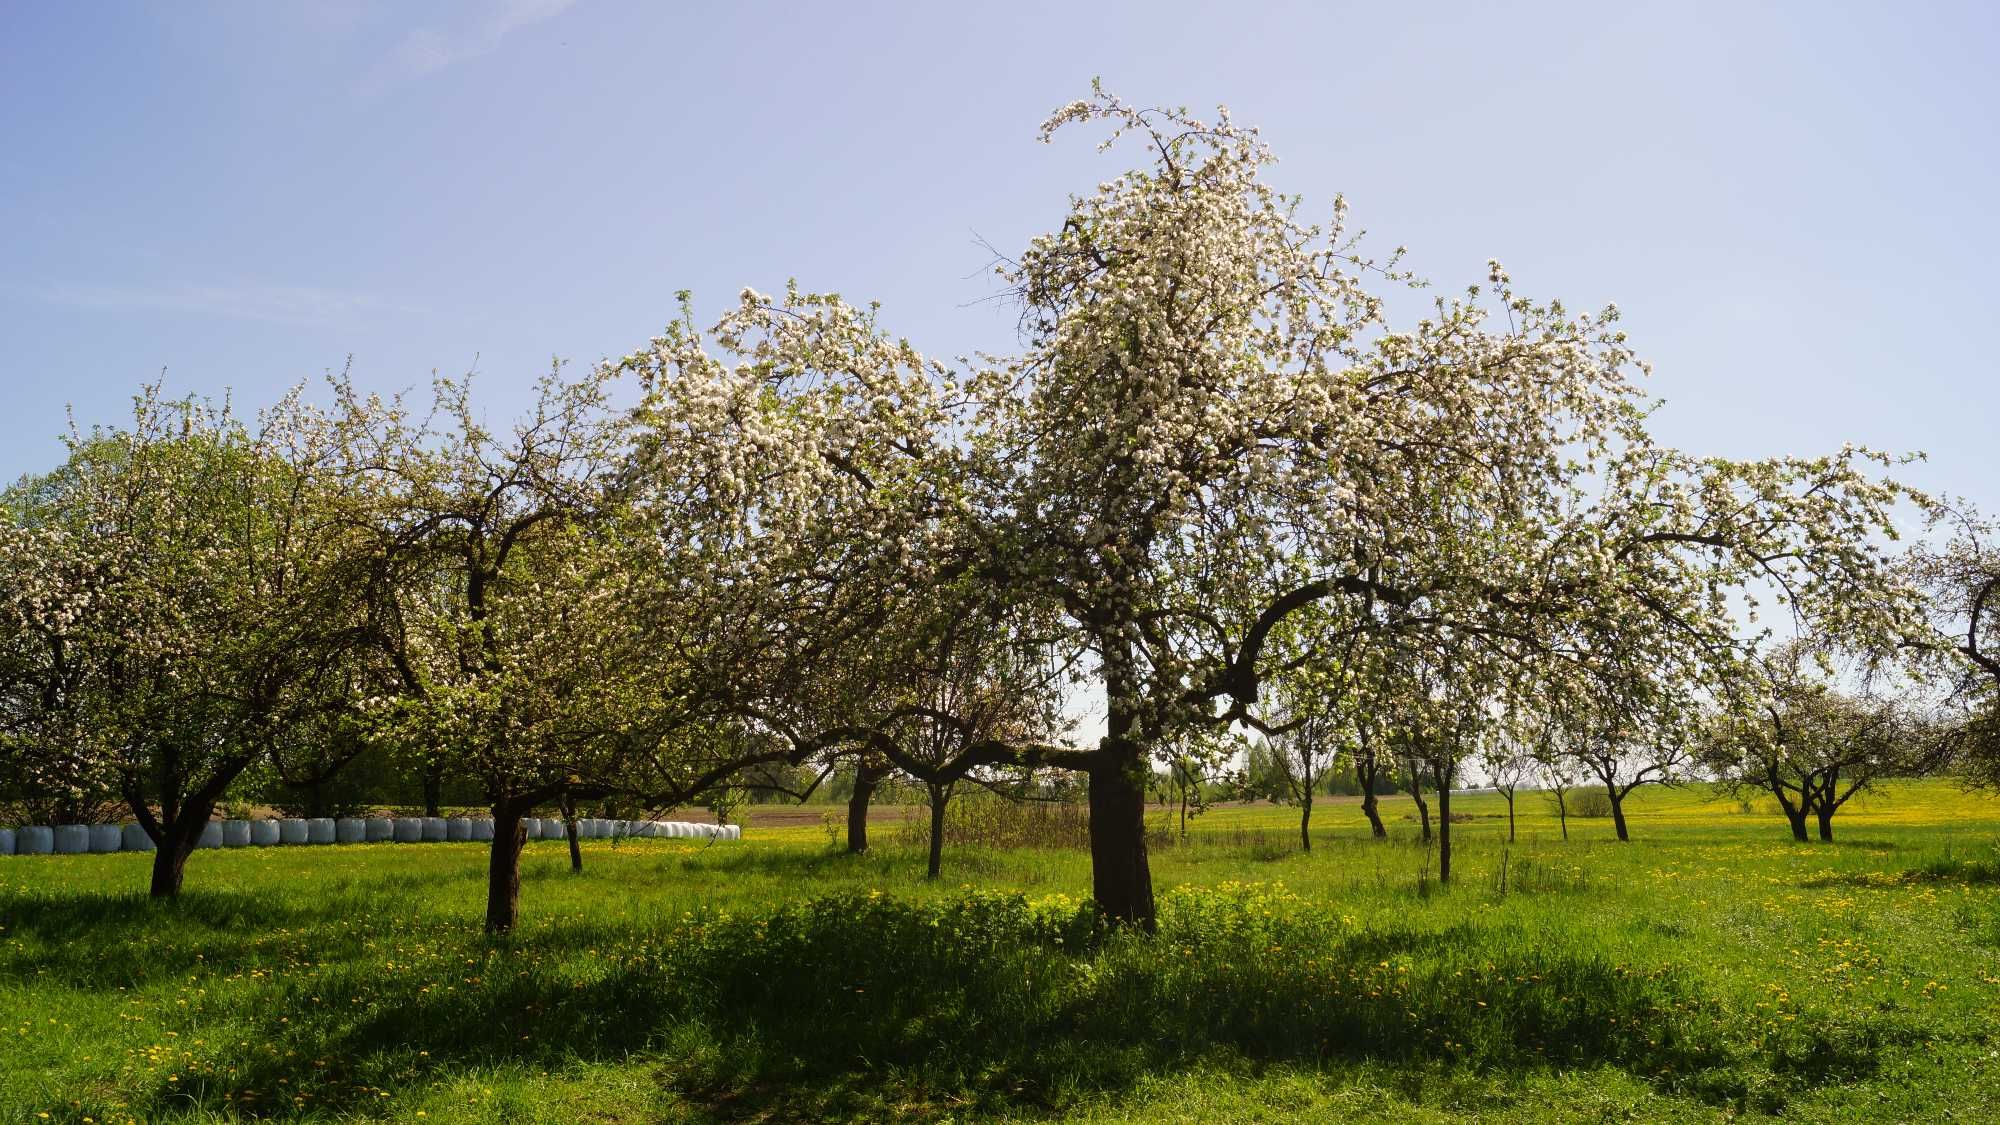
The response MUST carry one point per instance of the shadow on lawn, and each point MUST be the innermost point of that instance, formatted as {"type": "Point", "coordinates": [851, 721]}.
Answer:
{"type": "Point", "coordinates": [858, 1006]}
{"type": "Point", "coordinates": [105, 942]}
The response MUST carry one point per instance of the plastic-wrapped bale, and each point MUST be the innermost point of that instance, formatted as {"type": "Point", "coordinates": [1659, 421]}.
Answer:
{"type": "Point", "coordinates": [673, 830]}
{"type": "Point", "coordinates": [35, 839]}
{"type": "Point", "coordinates": [235, 833]}
{"type": "Point", "coordinates": [72, 839]}
{"type": "Point", "coordinates": [620, 828]}
{"type": "Point", "coordinates": [133, 838]}
{"type": "Point", "coordinates": [291, 830]}
{"type": "Point", "coordinates": [554, 828]}
{"type": "Point", "coordinates": [105, 838]}
{"type": "Point", "coordinates": [434, 829]}
{"type": "Point", "coordinates": [407, 829]}
{"type": "Point", "coordinates": [6, 841]}
{"type": "Point", "coordinates": [320, 830]}
{"type": "Point", "coordinates": [650, 829]}
{"type": "Point", "coordinates": [350, 830]}
{"type": "Point", "coordinates": [735, 832]}
{"type": "Point", "coordinates": [265, 833]}
{"type": "Point", "coordinates": [211, 835]}
{"type": "Point", "coordinates": [482, 828]}
{"type": "Point", "coordinates": [379, 829]}
{"type": "Point", "coordinates": [532, 826]}
{"type": "Point", "coordinates": [458, 829]}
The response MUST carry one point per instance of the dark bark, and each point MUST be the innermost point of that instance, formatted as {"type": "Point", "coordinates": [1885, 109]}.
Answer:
{"type": "Point", "coordinates": [1444, 830]}
{"type": "Point", "coordinates": [175, 834]}
{"type": "Point", "coordinates": [1562, 812]}
{"type": "Point", "coordinates": [1618, 812]}
{"type": "Point", "coordinates": [1797, 818]}
{"type": "Point", "coordinates": [866, 778]}
{"type": "Point", "coordinates": [1305, 822]}
{"type": "Point", "coordinates": [1423, 807]}
{"type": "Point", "coordinates": [1121, 878]}
{"type": "Point", "coordinates": [1370, 810]}
{"type": "Point", "coordinates": [433, 789]}
{"type": "Point", "coordinates": [503, 868]}
{"type": "Point", "coordinates": [940, 796]}
{"type": "Point", "coordinates": [569, 830]}
{"type": "Point", "coordinates": [1367, 771]}
{"type": "Point", "coordinates": [1825, 815]}
{"type": "Point", "coordinates": [1510, 816]}
{"type": "Point", "coordinates": [170, 858]}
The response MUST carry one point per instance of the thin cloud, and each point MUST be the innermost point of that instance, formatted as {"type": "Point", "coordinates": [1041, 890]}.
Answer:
{"type": "Point", "coordinates": [272, 304]}
{"type": "Point", "coordinates": [428, 50]}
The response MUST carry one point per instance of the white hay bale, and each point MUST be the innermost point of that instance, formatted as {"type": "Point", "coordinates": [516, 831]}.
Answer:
{"type": "Point", "coordinates": [554, 828]}
{"type": "Point", "coordinates": [6, 841]}
{"type": "Point", "coordinates": [211, 835]}
{"type": "Point", "coordinates": [265, 833]}
{"type": "Point", "coordinates": [482, 828]}
{"type": "Point", "coordinates": [378, 829]}
{"type": "Point", "coordinates": [532, 826]}
{"type": "Point", "coordinates": [736, 832]}
{"type": "Point", "coordinates": [105, 838]}
{"type": "Point", "coordinates": [674, 830]}
{"type": "Point", "coordinates": [133, 838]}
{"type": "Point", "coordinates": [72, 839]}
{"type": "Point", "coordinates": [407, 829]}
{"type": "Point", "coordinates": [235, 833]}
{"type": "Point", "coordinates": [291, 830]}
{"type": "Point", "coordinates": [34, 839]}
{"type": "Point", "coordinates": [434, 829]}
{"type": "Point", "coordinates": [458, 829]}
{"type": "Point", "coordinates": [350, 830]}
{"type": "Point", "coordinates": [320, 830]}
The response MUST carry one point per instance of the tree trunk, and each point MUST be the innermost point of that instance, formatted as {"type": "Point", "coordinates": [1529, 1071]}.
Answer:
{"type": "Point", "coordinates": [1562, 813]}
{"type": "Point", "coordinates": [174, 843]}
{"type": "Point", "coordinates": [1374, 815]}
{"type": "Point", "coordinates": [1121, 879]}
{"type": "Point", "coordinates": [170, 856]}
{"type": "Point", "coordinates": [433, 789]}
{"type": "Point", "coordinates": [1444, 832]}
{"type": "Point", "coordinates": [1618, 812]}
{"type": "Point", "coordinates": [866, 778]}
{"type": "Point", "coordinates": [1797, 818]}
{"type": "Point", "coordinates": [1825, 816]}
{"type": "Point", "coordinates": [940, 796]}
{"type": "Point", "coordinates": [1305, 822]}
{"type": "Point", "coordinates": [1423, 807]}
{"type": "Point", "coordinates": [1510, 816]}
{"type": "Point", "coordinates": [503, 869]}
{"type": "Point", "coordinates": [569, 830]}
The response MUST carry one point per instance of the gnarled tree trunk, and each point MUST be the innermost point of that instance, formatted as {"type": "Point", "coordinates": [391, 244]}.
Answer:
{"type": "Point", "coordinates": [940, 797]}
{"type": "Point", "coordinates": [569, 830]}
{"type": "Point", "coordinates": [866, 778]}
{"type": "Point", "coordinates": [1120, 876]}
{"type": "Point", "coordinates": [1618, 812]}
{"type": "Point", "coordinates": [503, 867]}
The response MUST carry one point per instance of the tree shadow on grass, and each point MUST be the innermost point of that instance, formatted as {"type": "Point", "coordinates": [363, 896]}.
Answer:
{"type": "Point", "coordinates": [105, 942]}
{"type": "Point", "coordinates": [865, 1007]}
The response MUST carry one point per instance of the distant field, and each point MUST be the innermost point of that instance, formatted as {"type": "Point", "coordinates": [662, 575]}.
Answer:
{"type": "Point", "coordinates": [1710, 970]}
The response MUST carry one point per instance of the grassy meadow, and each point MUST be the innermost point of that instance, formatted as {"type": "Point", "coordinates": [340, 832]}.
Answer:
{"type": "Point", "coordinates": [1709, 970]}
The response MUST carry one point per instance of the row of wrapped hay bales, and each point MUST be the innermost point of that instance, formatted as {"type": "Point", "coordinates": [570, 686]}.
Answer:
{"type": "Point", "coordinates": [82, 839]}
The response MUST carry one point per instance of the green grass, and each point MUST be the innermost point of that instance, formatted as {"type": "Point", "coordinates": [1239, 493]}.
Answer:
{"type": "Point", "coordinates": [1709, 970]}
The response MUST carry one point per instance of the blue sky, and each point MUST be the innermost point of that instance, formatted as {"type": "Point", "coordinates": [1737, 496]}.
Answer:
{"type": "Point", "coordinates": [1794, 205]}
